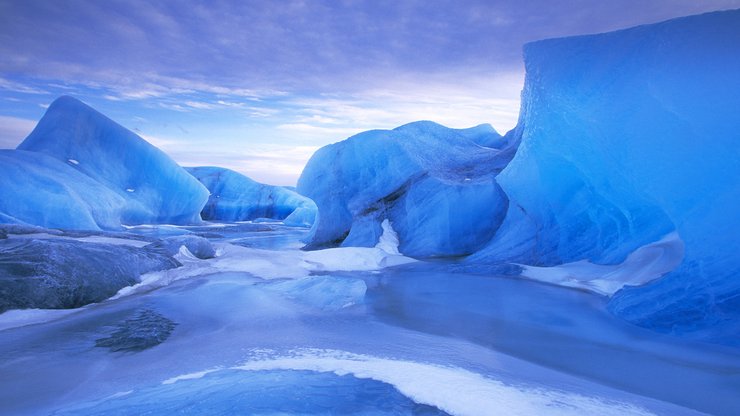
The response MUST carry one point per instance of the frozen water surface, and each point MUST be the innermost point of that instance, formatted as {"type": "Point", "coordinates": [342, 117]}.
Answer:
{"type": "Point", "coordinates": [232, 335]}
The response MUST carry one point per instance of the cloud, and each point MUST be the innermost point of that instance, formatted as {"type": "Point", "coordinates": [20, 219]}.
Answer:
{"type": "Point", "coordinates": [13, 130]}
{"type": "Point", "coordinates": [313, 130]}
{"type": "Point", "coordinates": [20, 87]}
{"type": "Point", "coordinates": [240, 75]}
{"type": "Point", "coordinates": [257, 49]}
{"type": "Point", "coordinates": [273, 164]}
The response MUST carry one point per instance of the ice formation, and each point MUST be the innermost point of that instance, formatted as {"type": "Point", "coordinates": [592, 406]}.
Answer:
{"type": "Point", "coordinates": [40, 190]}
{"type": "Point", "coordinates": [151, 186]}
{"type": "Point", "coordinates": [199, 247]}
{"type": "Point", "coordinates": [235, 197]}
{"type": "Point", "coordinates": [626, 137]}
{"type": "Point", "coordinates": [436, 185]}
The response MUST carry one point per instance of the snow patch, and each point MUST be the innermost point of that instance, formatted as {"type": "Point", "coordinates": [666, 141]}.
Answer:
{"type": "Point", "coordinates": [190, 376]}
{"type": "Point", "coordinates": [451, 389]}
{"type": "Point", "coordinates": [351, 259]}
{"type": "Point", "coordinates": [267, 264]}
{"type": "Point", "coordinates": [388, 241]}
{"type": "Point", "coordinates": [645, 264]}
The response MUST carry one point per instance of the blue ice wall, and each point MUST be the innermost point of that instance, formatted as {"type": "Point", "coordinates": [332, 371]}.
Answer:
{"type": "Point", "coordinates": [40, 190]}
{"type": "Point", "coordinates": [436, 185]}
{"type": "Point", "coordinates": [153, 187]}
{"type": "Point", "coordinates": [235, 197]}
{"type": "Point", "coordinates": [626, 136]}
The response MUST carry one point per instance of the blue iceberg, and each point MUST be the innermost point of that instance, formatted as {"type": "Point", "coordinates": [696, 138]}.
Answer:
{"type": "Point", "coordinates": [235, 197]}
{"type": "Point", "coordinates": [627, 137]}
{"type": "Point", "coordinates": [152, 187]}
{"type": "Point", "coordinates": [437, 187]}
{"type": "Point", "coordinates": [40, 190]}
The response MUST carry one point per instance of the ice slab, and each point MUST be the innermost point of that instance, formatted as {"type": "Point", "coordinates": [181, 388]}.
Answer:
{"type": "Point", "coordinates": [235, 197]}
{"type": "Point", "coordinates": [436, 185]}
{"type": "Point", "coordinates": [152, 187]}
{"type": "Point", "coordinates": [625, 137]}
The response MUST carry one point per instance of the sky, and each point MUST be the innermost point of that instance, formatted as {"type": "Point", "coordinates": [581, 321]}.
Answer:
{"type": "Point", "coordinates": [258, 86]}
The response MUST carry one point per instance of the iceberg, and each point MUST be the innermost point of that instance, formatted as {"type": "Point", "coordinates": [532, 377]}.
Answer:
{"type": "Point", "coordinates": [435, 185]}
{"type": "Point", "coordinates": [627, 137]}
{"type": "Point", "coordinates": [152, 187]}
{"type": "Point", "coordinates": [235, 197]}
{"type": "Point", "coordinates": [40, 190]}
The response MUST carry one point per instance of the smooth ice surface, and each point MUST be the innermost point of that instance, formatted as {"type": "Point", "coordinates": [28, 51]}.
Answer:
{"type": "Point", "coordinates": [413, 338]}
{"type": "Point", "coordinates": [151, 186]}
{"type": "Point", "coordinates": [278, 392]}
{"type": "Point", "coordinates": [436, 185]}
{"type": "Point", "coordinates": [625, 137]}
{"type": "Point", "coordinates": [431, 384]}
{"type": "Point", "coordinates": [235, 197]}
{"type": "Point", "coordinates": [325, 292]}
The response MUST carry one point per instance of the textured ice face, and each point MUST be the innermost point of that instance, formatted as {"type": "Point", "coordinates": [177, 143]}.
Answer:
{"type": "Point", "coordinates": [436, 185]}
{"type": "Point", "coordinates": [40, 190]}
{"type": "Point", "coordinates": [153, 188]}
{"type": "Point", "coordinates": [235, 197]}
{"type": "Point", "coordinates": [626, 136]}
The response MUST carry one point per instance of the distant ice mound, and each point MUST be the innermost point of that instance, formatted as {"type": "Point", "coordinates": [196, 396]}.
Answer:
{"type": "Point", "coordinates": [235, 197]}
{"type": "Point", "coordinates": [626, 137]}
{"type": "Point", "coordinates": [153, 188]}
{"type": "Point", "coordinates": [436, 185]}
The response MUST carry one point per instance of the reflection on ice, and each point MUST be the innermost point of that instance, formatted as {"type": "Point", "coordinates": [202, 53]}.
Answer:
{"type": "Point", "coordinates": [324, 292]}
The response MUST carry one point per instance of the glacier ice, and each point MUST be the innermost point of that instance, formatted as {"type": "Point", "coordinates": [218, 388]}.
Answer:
{"type": "Point", "coordinates": [235, 197]}
{"type": "Point", "coordinates": [464, 327]}
{"type": "Point", "coordinates": [436, 185]}
{"type": "Point", "coordinates": [40, 190]}
{"type": "Point", "coordinates": [151, 186]}
{"type": "Point", "coordinates": [626, 137]}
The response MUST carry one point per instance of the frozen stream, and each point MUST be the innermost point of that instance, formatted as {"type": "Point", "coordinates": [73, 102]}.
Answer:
{"type": "Point", "coordinates": [413, 339]}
